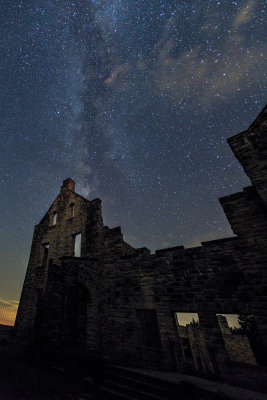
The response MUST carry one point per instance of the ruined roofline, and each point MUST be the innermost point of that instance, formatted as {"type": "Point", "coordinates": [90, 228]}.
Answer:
{"type": "Point", "coordinates": [167, 249]}
{"type": "Point", "coordinates": [218, 241]}
{"type": "Point", "coordinates": [67, 187]}
{"type": "Point", "coordinates": [232, 196]}
{"type": "Point", "coordinates": [203, 244]}
{"type": "Point", "coordinates": [69, 184]}
{"type": "Point", "coordinates": [88, 201]}
{"type": "Point", "coordinates": [260, 119]}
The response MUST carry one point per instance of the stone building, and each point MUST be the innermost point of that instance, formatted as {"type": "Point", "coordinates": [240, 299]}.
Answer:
{"type": "Point", "coordinates": [88, 290]}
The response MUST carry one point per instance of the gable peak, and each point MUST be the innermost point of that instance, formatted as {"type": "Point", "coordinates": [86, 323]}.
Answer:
{"type": "Point", "coordinates": [68, 184]}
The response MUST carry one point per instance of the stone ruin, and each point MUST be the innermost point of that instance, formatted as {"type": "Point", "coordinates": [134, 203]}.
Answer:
{"type": "Point", "coordinates": [87, 290]}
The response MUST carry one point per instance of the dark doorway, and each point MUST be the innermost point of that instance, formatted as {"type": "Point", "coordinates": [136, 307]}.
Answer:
{"type": "Point", "coordinates": [148, 328]}
{"type": "Point", "coordinates": [76, 314]}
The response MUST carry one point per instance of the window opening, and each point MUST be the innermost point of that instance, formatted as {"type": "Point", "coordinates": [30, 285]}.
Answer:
{"type": "Point", "coordinates": [184, 319]}
{"type": "Point", "coordinates": [188, 331]}
{"type": "Point", "coordinates": [45, 254]}
{"type": "Point", "coordinates": [77, 245]}
{"type": "Point", "coordinates": [54, 218]}
{"type": "Point", "coordinates": [71, 210]}
{"type": "Point", "coordinates": [76, 313]}
{"type": "Point", "coordinates": [148, 328]}
{"type": "Point", "coordinates": [192, 343]}
{"type": "Point", "coordinates": [241, 338]}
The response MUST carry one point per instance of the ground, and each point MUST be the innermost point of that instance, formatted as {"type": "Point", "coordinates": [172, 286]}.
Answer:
{"type": "Point", "coordinates": [29, 375]}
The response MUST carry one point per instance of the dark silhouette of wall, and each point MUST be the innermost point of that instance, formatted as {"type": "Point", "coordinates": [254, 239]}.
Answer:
{"type": "Point", "coordinates": [113, 286]}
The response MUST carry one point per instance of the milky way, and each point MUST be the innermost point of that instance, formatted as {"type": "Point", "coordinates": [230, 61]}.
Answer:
{"type": "Point", "coordinates": [132, 99]}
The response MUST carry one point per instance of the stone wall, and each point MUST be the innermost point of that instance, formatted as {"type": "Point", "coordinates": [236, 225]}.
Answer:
{"type": "Point", "coordinates": [249, 148]}
{"type": "Point", "coordinates": [5, 333]}
{"type": "Point", "coordinates": [75, 215]}
{"type": "Point", "coordinates": [116, 285]}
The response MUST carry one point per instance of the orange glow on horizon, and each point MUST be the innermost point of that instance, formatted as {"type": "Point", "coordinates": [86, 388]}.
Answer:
{"type": "Point", "coordinates": [8, 311]}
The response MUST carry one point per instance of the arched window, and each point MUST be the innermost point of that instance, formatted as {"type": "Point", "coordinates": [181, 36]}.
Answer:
{"type": "Point", "coordinates": [54, 218]}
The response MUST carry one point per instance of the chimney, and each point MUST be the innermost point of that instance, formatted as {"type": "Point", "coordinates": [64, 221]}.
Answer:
{"type": "Point", "coordinates": [68, 184]}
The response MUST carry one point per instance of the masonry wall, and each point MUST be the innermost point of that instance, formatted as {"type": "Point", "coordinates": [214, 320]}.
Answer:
{"type": "Point", "coordinates": [117, 286]}
{"type": "Point", "coordinates": [5, 333]}
{"type": "Point", "coordinates": [249, 148]}
{"type": "Point", "coordinates": [86, 219]}
{"type": "Point", "coordinates": [96, 240]}
{"type": "Point", "coordinates": [206, 280]}
{"type": "Point", "coordinates": [247, 214]}
{"type": "Point", "coordinates": [54, 329]}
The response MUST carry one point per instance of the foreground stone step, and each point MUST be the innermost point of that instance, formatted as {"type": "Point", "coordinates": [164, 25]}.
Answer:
{"type": "Point", "coordinates": [131, 381]}
{"type": "Point", "coordinates": [101, 392]}
{"type": "Point", "coordinates": [159, 389]}
{"type": "Point", "coordinates": [135, 392]}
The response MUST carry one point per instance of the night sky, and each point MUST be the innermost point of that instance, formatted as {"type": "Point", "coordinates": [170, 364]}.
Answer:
{"type": "Point", "coordinates": [134, 100]}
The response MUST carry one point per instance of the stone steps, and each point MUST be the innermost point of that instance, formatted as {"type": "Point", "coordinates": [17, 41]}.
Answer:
{"type": "Point", "coordinates": [117, 383]}
{"type": "Point", "coordinates": [147, 385]}
{"type": "Point", "coordinates": [129, 391]}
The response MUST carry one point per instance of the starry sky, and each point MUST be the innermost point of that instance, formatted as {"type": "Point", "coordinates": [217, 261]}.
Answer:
{"type": "Point", "coordinates": [134, 100]}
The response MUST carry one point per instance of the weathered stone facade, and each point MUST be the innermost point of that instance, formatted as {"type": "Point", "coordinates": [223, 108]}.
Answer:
{"type": "Point", "coordinates": [5, 332]}
{"type": "Point", "coordinates": [119, 302]}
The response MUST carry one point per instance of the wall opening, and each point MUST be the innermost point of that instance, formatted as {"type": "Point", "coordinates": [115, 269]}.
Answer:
{"type": "Point", "coordinates": [77, 245]}
{"type": "Point", "coordinates": [184, 318]}
{"type": "Point", "coordinates": [45, 252]}
{"type": "Point", "coordinates": [193, 348]}
{"type": "Point", "coordinates": [241, 338]}
{"type": "Point", "coordinates": [54, 218]}
{"type": "Point", "coordinates": [76, 314]}
{"type": "Point", "coordinates": [148, 328]}
{"type": "Point", "coordinates": [71, 211]}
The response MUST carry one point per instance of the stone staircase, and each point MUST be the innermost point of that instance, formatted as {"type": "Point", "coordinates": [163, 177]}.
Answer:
{"type": "Point", "coordinates": [125, 384]}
